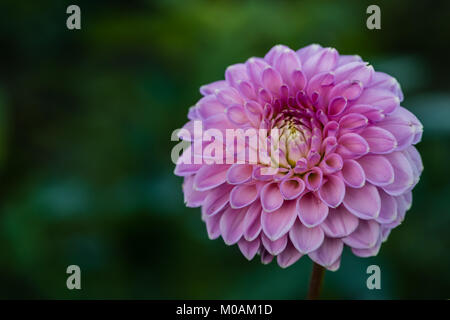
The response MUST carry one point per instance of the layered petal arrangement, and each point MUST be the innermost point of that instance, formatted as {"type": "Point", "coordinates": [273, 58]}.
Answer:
{"type": "Point", "coordinates": [347, 161]}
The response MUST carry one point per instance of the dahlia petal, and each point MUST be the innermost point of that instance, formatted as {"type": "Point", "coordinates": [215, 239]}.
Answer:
{"type": "Point", "coordinates": [276, 224]}
{"type": "Point", "coordinates": [388, 211]}
{"type": "Point", "coordinates": [354, 71]}
{"type": "Point", "coordinates": [210, 176]}
{"type": "Point", "coordinates": [353, 174]}
{"type": "Point", "coordinates": [380, 141]}
{"type": "Point", "coordinates": [344, 59]}
{"type": "Point", "coordinates": [249, 248]}
{"type": "Point", "coordinates": [212, 87]}
{"type": "Point", "coordinates": [216, 200]}
{"type": "Point", "coordinates": [313, 179]}
{"type": "Point", "coordinates": [185, 164]}
{"type": "Point", "coordinates": [378, 170]}
{"type": "Point", "coordinates": [243, 195]}
{"type": "Point", "coordinates": [228, 96]}
{"type": "Point", "coordinates": [347, 89]}
{"type": "Point", "coordinates": [231, 225]}
{"type": "Point", "coordinates": [332, 192]}
{"type": "Point", "coordinates": [335, 265]}
{"type": "Point", "coordinates": [192, 197]}
{"type": "Point", "coordinates": [318, 84]}
{"type": "Point", "coordinates": [266, 257]}
{"type": "Point", "coordinates": [403, 174]}
{"type": "Point", "coordinates": [339, 223]}
{"type": "Point", "coordinates": [328, 253]}
{"type": "Point", "coordinates": [247, 89]}
{"type": "Point", "coordinates": [255, 67]}
{"type": "Point", "coordinates": [311, 210]}
{"type": "Point", "coordinates": [370, 252]}
{"type": "Point", "coordinates": [292, 188]}
{"type": "Point", "coordinates": [286, 63]}
{"type": "Point", "coordinates": [352, 122]}
{"type": "Point", "coordinates": [239, 173]}
{"type": "Point", "coordinates": [193, 113]}
{"type": "Point", "coordinates": [289, 256]}
{"type": "Point", "coordinates": [404, 126]}
{"type": "Point", "coordinates": [274, 53]}
{"type": "Point", "coordinates": [323, 60]}
{"type": "Point", "coordinates": [331, 163]}
{"type": "Point", "coordinates": [383, 99]}
{"type": "Point", "coordinates": [306, 239]}
{"type": "Point", "coordinates": [308, 51]}
{"type": "Point", "coordinates": [213, 226]}
{"type": "Point", "coordinates": [218, 121]}
{"type": "Point", "coordinates": [364, 202]}
{"type": "Point", "coordinates": [352, 145]}
{"type": "Point", "coordinates": [298, 80]}
{"type": "Point", "coordinates": [236, 114]}
{"type": "Point", "coordinates": [370, 112]}
{"type": "Point", "coordinates": [336, 106]}
{"type": "Point", "coordinates": [415, 159]}
{"type": "Point", "coordinates": [272, 80]}
{"type": "Point", "coordinates": [236, 73]}
{"type": "Point", "coordinates": [382, 80]}
{"type": "Point", "coordinates": [209, 106]}
{"type": "Point", "coordinates": [271, 197]}
{"type": "Point", "coordinates": [274, 247]}
{"type": "Point", "coordinates": [365, 236]}
{"type": "Point", "coordinates": [252, 222]}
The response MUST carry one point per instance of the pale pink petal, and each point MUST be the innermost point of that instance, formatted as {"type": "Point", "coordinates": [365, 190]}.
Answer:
{"type": "Point", "coordinates": [276, 224]}
{"type": "Point", "coordinates": [365, 236]}
{"type": "Point", "coordinates": [243, 195]}
{"type": "Point", "coordinates": [276, 246]}
{"type": "Point", "coordinates": [328, 252]}
{"type": "Point", "coordinates": [353, 174]}
{"type": "Point", "coordinates": [332, 192]}
{"type": "Point", "coordinates": [210, 176]}
{"type": "Point", "coordinates": [311, 210]}
{"type": "Point", "coordinates": [378, 170]}
{"type": "Point", "coordinates": [339, 223]}
{"type": "Point", "coordinates": [289, 256]}
{"type": "Point", "coordinates": [231, 225]}
{"type": "Point", "coordinates": [252, 221]}
{"type": "Point", "coordinates": [305, 239]}
{"type": "Point", "coordinates": [364, 202]}
{"type": "Point", "coordinates": [249, 248]}
{"type": "Point", "coordinates": [271, 197]}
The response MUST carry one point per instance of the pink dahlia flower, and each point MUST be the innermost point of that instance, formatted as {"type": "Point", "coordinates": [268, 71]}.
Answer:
{"type": "Point", "coordinates": [347, 161]}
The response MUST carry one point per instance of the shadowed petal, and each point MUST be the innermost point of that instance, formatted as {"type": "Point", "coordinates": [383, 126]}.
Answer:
{"type": "Point", "coordinates": [274, 247]}
{"type": "Point", "coordinates": [365, 236]}
{"type": "Point", "coordinates": [339, 223]}
{"type": "Point", "coordinates": [249, 248]}
{"type": "Point", "coordinates": [328, 252]}
{"type": "Point", "coordinates": [289, 256]}
{"type": "Point", "coordinates": [231, 225]}
{"type": "Point", "coordinates": [306, 239]}
{"type": "Point", "coordinates": [252, 221]}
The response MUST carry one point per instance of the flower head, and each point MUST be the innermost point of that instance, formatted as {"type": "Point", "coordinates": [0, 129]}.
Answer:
{"type": "Point", "coordinates": [344, 154]}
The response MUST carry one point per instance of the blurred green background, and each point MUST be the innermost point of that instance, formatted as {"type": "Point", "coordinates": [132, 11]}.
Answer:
{"type": "Point", "coordinates": [85, 124]}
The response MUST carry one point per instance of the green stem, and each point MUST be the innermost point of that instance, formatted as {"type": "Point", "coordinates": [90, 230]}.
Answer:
{"type": "Point", "coordinates": [315, 282]}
